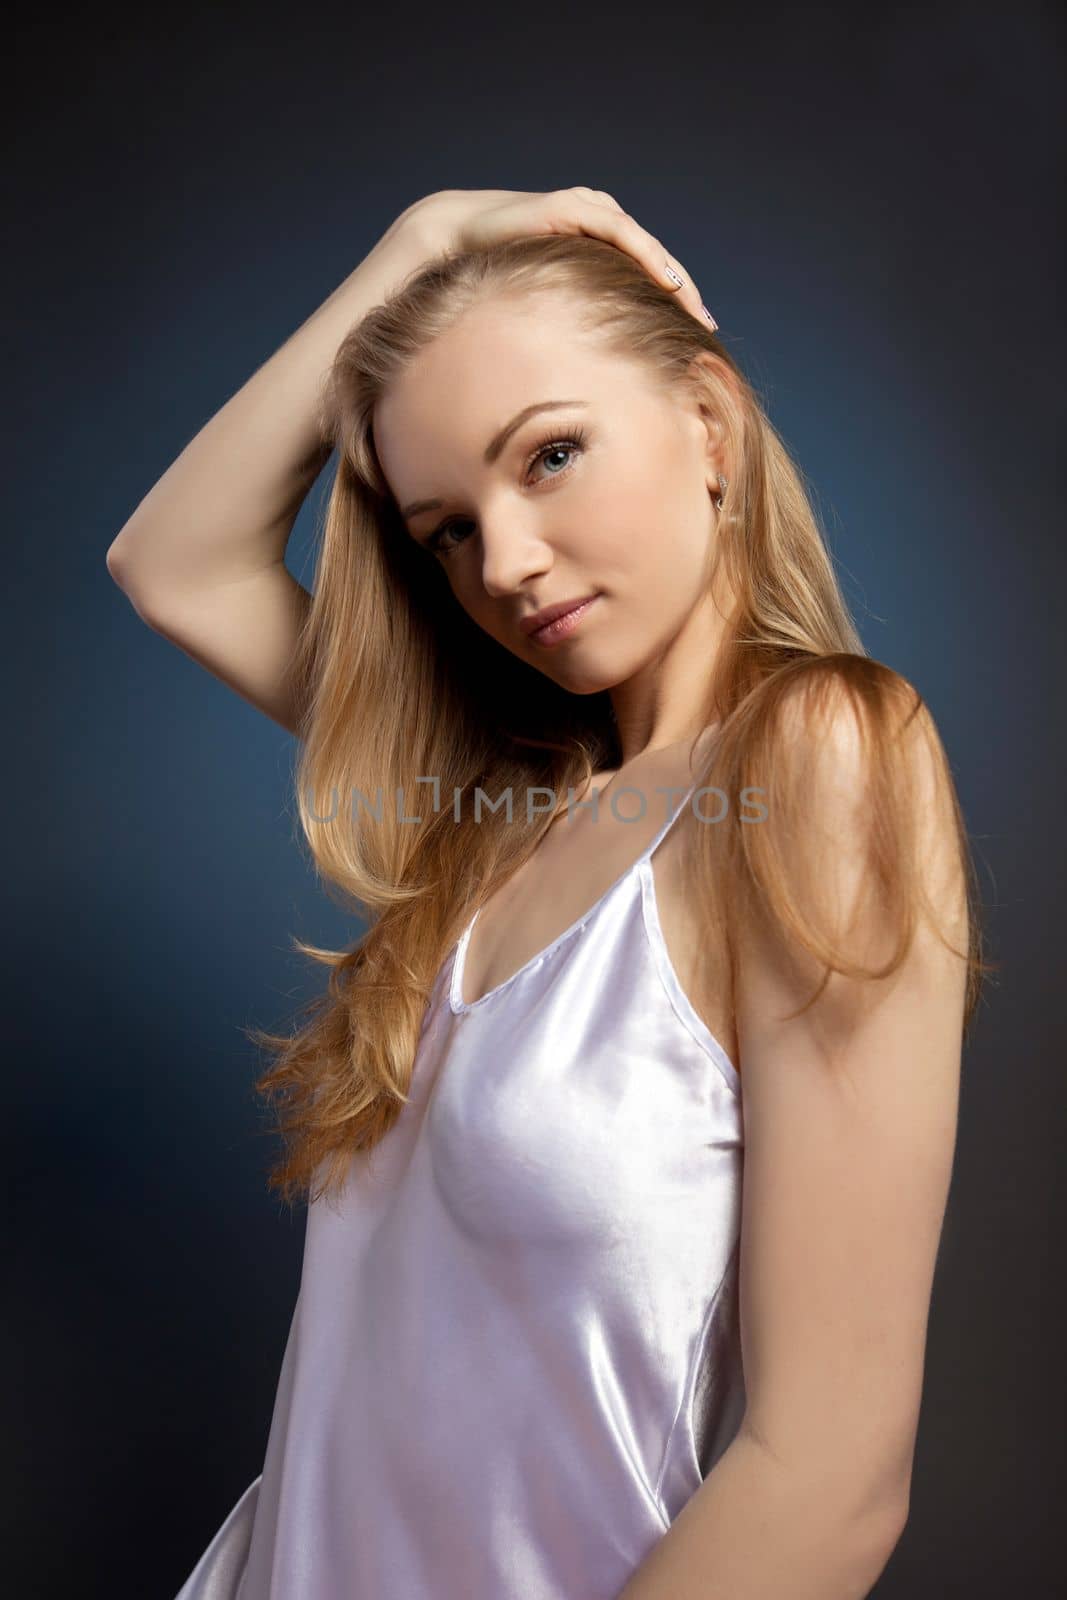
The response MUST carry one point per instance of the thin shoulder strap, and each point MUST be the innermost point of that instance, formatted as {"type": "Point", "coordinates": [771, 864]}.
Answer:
{"type": "Point", "coordinates": [662, 832]}
{"type": "Point", "coordinates": [686, 798]}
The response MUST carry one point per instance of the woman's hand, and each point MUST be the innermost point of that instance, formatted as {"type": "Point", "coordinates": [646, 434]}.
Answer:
{"type": "Point", "coordinates": [462, 219]}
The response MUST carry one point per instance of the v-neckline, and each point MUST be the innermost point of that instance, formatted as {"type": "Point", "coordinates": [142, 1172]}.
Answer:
{"type": "Point", "coordinates": [460, 1007]}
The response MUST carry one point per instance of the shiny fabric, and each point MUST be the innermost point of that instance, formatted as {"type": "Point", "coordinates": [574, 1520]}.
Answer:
{"type": "Point", "coordinates": [515, 1350]}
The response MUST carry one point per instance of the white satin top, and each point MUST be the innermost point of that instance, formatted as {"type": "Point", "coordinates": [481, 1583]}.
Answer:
{"type": "Point", "coordinates": [515, 1351]}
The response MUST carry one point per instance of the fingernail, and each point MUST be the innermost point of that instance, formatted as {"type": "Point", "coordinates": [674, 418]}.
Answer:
{"type": "Point", "coordinates": [708, 314]}
{"type": "Point", "coordinates": [675, 279]}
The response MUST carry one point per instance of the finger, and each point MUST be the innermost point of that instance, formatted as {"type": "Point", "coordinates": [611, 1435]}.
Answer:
{"type": "Point", "coordinates": [621, 230]}
{"type": "Point", "coordinates": [603, 196]}
{"type": "Point", "coordinates": [624, 231]}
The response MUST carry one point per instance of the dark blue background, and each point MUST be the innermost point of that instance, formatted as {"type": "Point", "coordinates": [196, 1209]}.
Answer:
{"type": "Point", "coordinates": [868, 201]}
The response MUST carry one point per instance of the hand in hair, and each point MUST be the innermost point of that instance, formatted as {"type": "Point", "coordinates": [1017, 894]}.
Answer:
{"type": "Point", "coordinates": [465, 219]}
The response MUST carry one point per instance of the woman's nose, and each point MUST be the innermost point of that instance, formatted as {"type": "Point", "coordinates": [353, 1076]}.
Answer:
{"type": "Point", "coordinates": [510, 557]}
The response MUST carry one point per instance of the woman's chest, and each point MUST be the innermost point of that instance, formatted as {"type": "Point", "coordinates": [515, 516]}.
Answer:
{"type": "Point", "coordinates": [565, 883]}
{"type": "Point", "coordinates": [575, 1104]}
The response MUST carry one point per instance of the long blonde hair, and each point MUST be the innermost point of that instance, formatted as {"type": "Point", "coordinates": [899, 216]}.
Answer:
{"type": "Point", "coordinates": [410, 708]}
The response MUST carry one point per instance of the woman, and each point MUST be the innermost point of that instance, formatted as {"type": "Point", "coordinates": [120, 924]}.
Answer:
{"type": "Point", "coordinates": [571, 1321]}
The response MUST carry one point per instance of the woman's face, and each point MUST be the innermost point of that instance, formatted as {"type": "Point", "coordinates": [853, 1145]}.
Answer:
{"type": "Point", "coordinates": [605, 495]}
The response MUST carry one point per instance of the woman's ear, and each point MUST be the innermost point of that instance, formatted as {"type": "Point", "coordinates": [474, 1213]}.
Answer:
{"type": "Point", "coordinates": [710, 383]}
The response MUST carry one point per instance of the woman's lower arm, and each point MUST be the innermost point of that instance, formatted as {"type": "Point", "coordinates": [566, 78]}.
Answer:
{"type": "Point", "coordinates": [757, 1531]}
{"type": "Point", "coordinates": [225, 507]}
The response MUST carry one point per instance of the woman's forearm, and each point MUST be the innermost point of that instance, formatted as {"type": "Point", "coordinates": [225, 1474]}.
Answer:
{"type": "Point", "coordinates": [225, 508]}
{"type": "Point", "coordinates": [756, 1531]}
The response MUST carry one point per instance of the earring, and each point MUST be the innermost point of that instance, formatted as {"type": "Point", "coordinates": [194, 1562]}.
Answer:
{"type": "Point", "coordinates": [722, 490]}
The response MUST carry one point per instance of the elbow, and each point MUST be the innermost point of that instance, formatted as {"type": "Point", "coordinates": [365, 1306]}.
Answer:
{"type": "Point", "coordinates": [118, 563]}
{"type": "Point", "coordinates": [121, 571]}
{"type": "Point", "coordinates": [896, 1522]}
{"type": "Point", "coordinates": [875, 1483]}
{"type": "Point", "coordinates": [880, 1537]}
{"type": "Point", "coordinates": [113, 559]}
{"type": "Point", "coordinates": [872, 1512]}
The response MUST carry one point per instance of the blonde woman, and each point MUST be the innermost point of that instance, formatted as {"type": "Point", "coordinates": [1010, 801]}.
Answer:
{"type": "Point", "coordinates": [627, 1127]}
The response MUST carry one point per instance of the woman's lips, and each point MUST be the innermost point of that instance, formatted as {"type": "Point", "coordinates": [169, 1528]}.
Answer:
{"type": "Point", "coordinates": [553, 632]}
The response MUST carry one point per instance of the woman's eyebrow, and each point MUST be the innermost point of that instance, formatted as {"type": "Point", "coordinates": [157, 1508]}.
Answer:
{"type": "Point", "coordinates": [496, 445]}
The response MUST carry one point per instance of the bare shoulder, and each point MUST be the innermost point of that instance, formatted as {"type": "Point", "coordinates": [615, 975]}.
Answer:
{"type": "Point", "coordinates": [864, 823]}
{"type": "Point", "coordinates": [819, 776]}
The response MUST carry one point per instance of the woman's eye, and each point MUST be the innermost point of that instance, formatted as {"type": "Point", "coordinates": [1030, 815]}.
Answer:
{"type": "Point", "coordinates": [549, 448]}
{"type": "Point", "coordinates": [558, 450]}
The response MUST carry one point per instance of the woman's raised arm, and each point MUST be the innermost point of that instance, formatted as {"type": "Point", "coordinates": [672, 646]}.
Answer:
{"type": "Point", "coordinates": [202, 558]}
